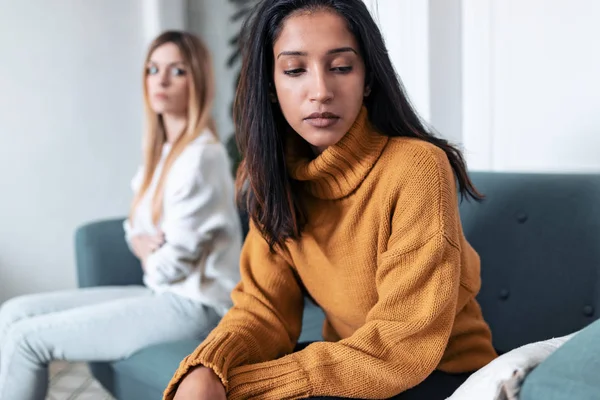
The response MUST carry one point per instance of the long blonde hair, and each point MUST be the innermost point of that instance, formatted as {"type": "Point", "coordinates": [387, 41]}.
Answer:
{"type": "Point", "coordinates": [196, 56]}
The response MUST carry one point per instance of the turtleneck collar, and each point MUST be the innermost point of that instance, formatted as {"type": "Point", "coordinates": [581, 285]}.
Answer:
{"type": "Point", "coordinates": [341, 168]}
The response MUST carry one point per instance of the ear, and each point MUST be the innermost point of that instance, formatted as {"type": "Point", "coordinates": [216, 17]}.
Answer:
{"type": "Point", "coordinates": [272, 95]}
{"type": "Point", "coordinates": [368, 85]}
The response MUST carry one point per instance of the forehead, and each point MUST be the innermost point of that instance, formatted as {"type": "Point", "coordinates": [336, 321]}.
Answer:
{"type": "Point", "coordinates": [314, 33]}
{"type": "Point", "coordinates": [166, 53]}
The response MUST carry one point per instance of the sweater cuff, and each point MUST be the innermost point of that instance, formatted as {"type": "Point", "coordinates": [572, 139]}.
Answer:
{"type": "Point", "coordinates": [220, 352]}
{"type": "Point", "coordinates": [280, 379]}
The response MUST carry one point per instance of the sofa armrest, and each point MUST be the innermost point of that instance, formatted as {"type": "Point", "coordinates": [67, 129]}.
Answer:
{"type": "Point", "coordinates": [103, 257]}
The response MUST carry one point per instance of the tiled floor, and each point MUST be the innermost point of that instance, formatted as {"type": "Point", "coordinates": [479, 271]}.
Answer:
{"type": "Point", "coordinates": [74, 382]}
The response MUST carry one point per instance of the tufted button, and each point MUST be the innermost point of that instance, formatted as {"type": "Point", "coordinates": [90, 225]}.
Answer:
{"type": "Point", "coordinates": [522, 217]}
{"type": "Point", "coordinates": [588, 311]}
{"type": "Point", "coordinates": [504, 294]}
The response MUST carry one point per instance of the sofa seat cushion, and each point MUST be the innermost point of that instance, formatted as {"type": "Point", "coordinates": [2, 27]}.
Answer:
{"type": "Point", "coordinates": [155, 365]}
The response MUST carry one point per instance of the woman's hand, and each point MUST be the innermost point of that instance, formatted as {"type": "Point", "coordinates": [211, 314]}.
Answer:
{"type": "Point", "coordinates": [144, 245]}
{"type": "Point", "coordinates": [201, 384]}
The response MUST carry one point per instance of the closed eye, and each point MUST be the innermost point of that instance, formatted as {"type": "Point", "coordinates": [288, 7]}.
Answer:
{"type": "Point", "coordinates": [294, 72]}
{"type": "Point", "coordinates": [342, 69]}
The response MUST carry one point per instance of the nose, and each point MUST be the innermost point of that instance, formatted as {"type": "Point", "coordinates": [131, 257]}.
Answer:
{"type": "Point", "coordinates": [320, 88]}
{"type": "Point", "coordinates": [164, 78]}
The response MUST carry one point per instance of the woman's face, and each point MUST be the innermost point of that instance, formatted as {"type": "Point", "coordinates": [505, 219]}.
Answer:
{"type": "Point", "coordinates": [319, 77]}
{"type": "Point", "coordinates": [167, 81]}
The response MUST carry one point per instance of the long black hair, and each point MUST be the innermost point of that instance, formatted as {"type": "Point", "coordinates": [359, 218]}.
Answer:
{"type": "Point", "coordinates": [264, 185]}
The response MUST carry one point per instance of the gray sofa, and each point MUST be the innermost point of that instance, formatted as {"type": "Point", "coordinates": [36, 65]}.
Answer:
{"type": "Point", "coordinates": [537, 236]}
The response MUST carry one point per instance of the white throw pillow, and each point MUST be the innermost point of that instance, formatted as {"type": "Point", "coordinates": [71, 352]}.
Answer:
{"type": "Point", "coordinates": [501, 379]}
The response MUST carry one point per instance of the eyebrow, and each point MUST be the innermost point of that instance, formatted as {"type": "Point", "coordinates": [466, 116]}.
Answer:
{"type": "Point", "coordinates": [303, 53]}
{"type": "Point", "coordinates": [170, 64]}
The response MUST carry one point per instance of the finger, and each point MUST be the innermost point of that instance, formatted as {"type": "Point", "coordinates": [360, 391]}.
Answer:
{"type": "Point", "coordinates": [157, 242]}
{"type": "Point", "coordinates": [158, 235]}
{"type": "Point", "coordinates": [154, 238]}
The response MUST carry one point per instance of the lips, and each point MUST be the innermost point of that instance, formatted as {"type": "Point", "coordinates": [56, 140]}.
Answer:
{"type": "Point", "coordinates": [322, 120]}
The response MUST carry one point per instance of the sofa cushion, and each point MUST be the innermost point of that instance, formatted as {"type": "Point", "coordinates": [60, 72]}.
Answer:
{"type": "Point", "coordinates": [312, 323]}
{"type": "Point", "coordinates": [571, 372]}
{"type": "Point", "coordinates": [537, 235]}
{"type": "Point", "coordinates": [155, 365]}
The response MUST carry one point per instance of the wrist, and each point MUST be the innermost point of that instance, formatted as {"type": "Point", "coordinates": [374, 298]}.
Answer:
{"type": "Point", "coordinates": [206, 373]}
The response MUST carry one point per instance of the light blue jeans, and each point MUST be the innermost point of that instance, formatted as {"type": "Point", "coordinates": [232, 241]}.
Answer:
{"type": "Point", "coordinates": [96, 324]}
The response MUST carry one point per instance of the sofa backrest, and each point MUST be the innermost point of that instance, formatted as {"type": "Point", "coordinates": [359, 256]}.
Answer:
{"type": "Point", "coordinates": [538, 236]}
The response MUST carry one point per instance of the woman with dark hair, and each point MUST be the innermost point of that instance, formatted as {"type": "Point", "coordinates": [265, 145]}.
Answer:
{"type": "Point", "coordinates": [354, 204]}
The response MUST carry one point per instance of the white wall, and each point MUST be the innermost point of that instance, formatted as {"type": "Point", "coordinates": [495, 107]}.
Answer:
{"type": "Point", "coordinates": [209, 19]}
{"type": "Point", "coordinates": [532, 84]}
{"type": "Point", "coordinates": [162, 15]}
{"type": "Point", "coordinates": [423, 40]}
{"type": "Point", "coordinates": [515, 82]}
{"type": "Point", "coordinates": [445, 69]}
{"type": "Point", "coordinates": [71, 123]}
{"type": "Point", "coordinates": [405, 28]}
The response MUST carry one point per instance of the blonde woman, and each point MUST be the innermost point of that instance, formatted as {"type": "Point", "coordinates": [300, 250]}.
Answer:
{"type": "Point", "coordinates": [183, 227]}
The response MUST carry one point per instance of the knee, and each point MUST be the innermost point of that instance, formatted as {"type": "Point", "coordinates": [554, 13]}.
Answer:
{"type": "Point", "coordinates": [10, 312]}
{"type": "Point", "coordinates": [13, 311]}
{"type": "Point", "coordinates": [21, 338]}
{"type": "Point", "coordinates": [14, 334]}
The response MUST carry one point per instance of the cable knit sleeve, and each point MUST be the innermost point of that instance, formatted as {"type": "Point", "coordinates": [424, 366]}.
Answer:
{"type": "Point", "coordinates": [405, 334]}
{"type": "Point", "coordinates": [198, 207]}
{"type": "Point", "coordinates": [264, 322]}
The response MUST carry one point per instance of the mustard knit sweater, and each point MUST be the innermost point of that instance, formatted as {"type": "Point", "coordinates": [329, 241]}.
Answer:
{"type": "Point", "coordinates": [383, 255]}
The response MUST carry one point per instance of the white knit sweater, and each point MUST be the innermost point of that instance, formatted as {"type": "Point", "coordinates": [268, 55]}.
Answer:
{"type": "Point", "coordinates": [200, 259]}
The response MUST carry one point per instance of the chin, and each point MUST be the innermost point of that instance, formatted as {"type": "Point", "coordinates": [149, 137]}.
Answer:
{"type": "Point", "coordinates": [157, 109]}
{"type": "Point", "coordinates": [323, 140]}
